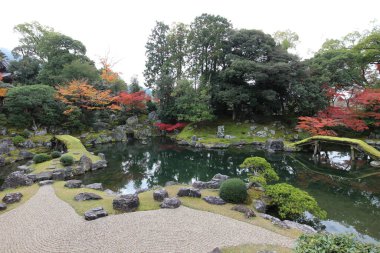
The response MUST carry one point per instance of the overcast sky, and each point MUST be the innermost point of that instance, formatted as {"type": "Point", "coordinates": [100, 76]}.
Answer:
{"type": "Point", "coordinates": [122, 27]}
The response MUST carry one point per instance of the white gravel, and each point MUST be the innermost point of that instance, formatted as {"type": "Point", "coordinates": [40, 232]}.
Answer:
{"type": "Point", "coordinates": [47, 224]}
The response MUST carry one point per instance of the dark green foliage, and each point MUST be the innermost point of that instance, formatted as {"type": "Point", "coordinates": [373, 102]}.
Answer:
{"type": "Point", "coordinates": [330, 243]}
{"type": "Point", "coordinates": [33, 104]}
{"type": "Point", "coordinates": [3, 120]}
{"type": "Point", "coordinates": [233, 190]}
{"type": "Point", "coordinates": [26, 134]}
{"type": "Point", "coordinates": [292, 202]}
{"type": "Point", "coordinates": [261, 171]}
{"type": "Point", "coordinates": [55, 154]}
{"type": "Point", "coordinates": [67, 160]}
{"type": "Point", "coordinates": [25, 70]}
{"type": "Point", "coordinates": [17, 140]}
{"type": "Point", "coordinates": [80, 70]}
{"type": "Point", "coordinates": [151, 106]}
{"type": "Point", "coordinates": [40, 158]}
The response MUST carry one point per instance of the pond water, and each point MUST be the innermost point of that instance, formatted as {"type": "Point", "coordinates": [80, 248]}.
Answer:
{"type": "Point", "coordinates": [350, 193]}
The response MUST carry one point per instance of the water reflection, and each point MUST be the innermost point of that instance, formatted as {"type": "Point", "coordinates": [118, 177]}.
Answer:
{"type": "Point", "coordinates": [350, 194]}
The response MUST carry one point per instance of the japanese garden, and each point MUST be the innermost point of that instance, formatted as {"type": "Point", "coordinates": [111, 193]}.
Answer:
{"type": "Point", "coordinates": [231, 143]}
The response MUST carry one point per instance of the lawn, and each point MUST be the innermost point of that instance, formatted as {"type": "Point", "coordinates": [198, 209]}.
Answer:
{"type": "Point", "coordinates": [26, 191]}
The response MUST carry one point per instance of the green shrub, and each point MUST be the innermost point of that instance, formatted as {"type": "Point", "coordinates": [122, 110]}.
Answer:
{"type": "Point", "coordinates": [292, 202]}
{"type": "Point", "coordinates": [26, 134]}
{"type": "Point", "coordinates": [332, 243]}
{"type": "Point", "coordinates": [233, 190]}
{"type": "Point", "coordinates": [261, 171]}
{"type": "Point", "coordinates": [66, 160]}
{"type": "Point", "coordinates": [3, 120]}
{"type": "Point", "coordinates": [40, 158]}
{"type": "Point", "coordinates": [17, 140]}
{"type": "Point", "coordinates": [55, 154]}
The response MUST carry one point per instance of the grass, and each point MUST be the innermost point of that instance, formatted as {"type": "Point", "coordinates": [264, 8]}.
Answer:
{"type": "Point", "coordinates": [364, 146]}
{"type": "Point", "coordinates": [251, 248]}
{"type": "Point", "coordinates": [75, 148]}
{"type": "Point", "coordinates": [27, 192]}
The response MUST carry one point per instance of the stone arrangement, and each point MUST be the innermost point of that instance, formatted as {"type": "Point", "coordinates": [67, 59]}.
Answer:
{"type": "Point", "coordinates": [83, 196]}
{"type": "Point", "coordinates": [214, 200]}
{"type": "Point", "coordinates": [214, 183]}
{"type": "Point", "coordinates": [160, 195]}
{"type": "Point", "coordinates": [73, 184]}
{"type": "Point", "coordinates": [243, 209]}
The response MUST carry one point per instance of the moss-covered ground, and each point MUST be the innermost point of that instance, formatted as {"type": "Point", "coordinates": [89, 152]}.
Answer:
{"type": "Point", "coordinates": [26, 191]}
{"type": "Point", "coordinates": [253, 248]}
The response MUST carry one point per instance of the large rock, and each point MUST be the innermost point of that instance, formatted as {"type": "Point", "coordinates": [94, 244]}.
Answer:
{"type": "Point", "coordinates": [189, 192]}
{"type": "Point", "coordinates": [375, 164]}
{"type": "Point", "coordinates": [6, 146]}
{"type": "Point", "coordinates": [303, 227]}
{"type": "Point", "coordinates": [16, 179]}
{"type": "Point", "coordinates": [260, 206]}
{"type": "Point", "coordinates": [274, 145]}
{"type": "Point", "coordinates": [274, 220]}
{"type": "Point", "coordinates": [3, 206]}
{"type": "Point", "coordinates": [2, 161]}
{"type": "Point", "coordinates": [27, 144]}
{"type": "Point", "coordinates": [170, 203]}
{"type": "Point", "coordinates": [25, 154]}
{"type": "Point", "coordinates": [214, 200]}
{"type": "Point", "coordinates": [243, 209]}
{"type": "Point", "coordinates": [99, 165]}
{"type": "Point", "coordinates": [3, 131]}
{"type": "Point", "coordinates": [132, 121]}
{"type": "Point", "coordinates": [119, 133]}
{"type": "Point", "coordinates": [45, 182]}
{"type": "Point", "coordinates": [95, 186]}
{"type": "Point", "coordinates": [46, 175]}
{"type": "Point", "coordinates": [77, 170]}
{"type": "Point", "coordinates": [102, 156]}
{"type": "Point", "coordinates": [73, 184]}
{"type": "Point", "coordinates": [62, 174]}
{"type": "Point", "coordinates": [214, 183]}
{"type": "Point", "coordinates": [126, 203]}
{"type": "Point", "coordinates": [85, 162]}
{"type": "Point", "coordinates": [12, 197]}
{"type": "Point", "coordinates": [160, 195]}
{"type": "Point", "coordinates": [95, 213]}
{"type": "Point", "coordinates": [83, 196]}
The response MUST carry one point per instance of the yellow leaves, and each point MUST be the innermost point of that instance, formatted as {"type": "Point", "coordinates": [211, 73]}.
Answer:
{"type": "Point", "coordinates": [108, 75]}
{"type": "Point", "coordinates": [3, 92]}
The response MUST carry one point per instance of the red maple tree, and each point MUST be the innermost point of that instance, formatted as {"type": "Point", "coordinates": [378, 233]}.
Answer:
{"type": "Point", "coordinates": [133, 102]}
{"type": "Point", "coordinates": [170, 127]}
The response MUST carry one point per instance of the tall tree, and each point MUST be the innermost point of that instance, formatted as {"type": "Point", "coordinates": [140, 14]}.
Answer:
{"type": "Point", "coordinates": [178, 49]}
{"type": "Point", "coordinates": [286, 39]}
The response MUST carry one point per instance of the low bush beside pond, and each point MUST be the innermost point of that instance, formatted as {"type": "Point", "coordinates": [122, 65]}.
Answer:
{"type": "Point", "coordinates": [67, 160]}
{"type": "Point", "coordinates": [233, 190]}
{"type": "Point", "coordinates": [55, 154]}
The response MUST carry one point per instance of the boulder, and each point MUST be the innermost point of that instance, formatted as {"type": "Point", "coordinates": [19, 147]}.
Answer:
{"type": "Point", "coordinates": [6, 146]}
{"type": "Point", "coordinates": [189, 192]}
{"type": "Point", "coordinates": [3, 206]}
{"type": "Point", "coordinates": [12, 197]}
{"type": "Point", "coordinates": [243, 209]}
{"type": "Point", "coordinates": [132, 121]}
{"type": "Point", "coordinates": [83, 196]}
{"type": "Point", "coordinates": [46, 175]}
{"type": "Point", "coordinates": [214, 183]}
{"type": "Point", "coordinates": [61, 174]}
{"type": "Point", "coordinates": [99, 165]}
{"type": "Point", "coordinates": [375, 164]}
{"type": "Point", "coordinates": [160, 195]}
{"type": "Point", "coordinates": [40, 132]}
{"type": "Point", "coordinates": [274, 220]}
{"type": "Point", "coordinates": [25, 169]}
{"type": "Point", "coordinates": [170, 203]}
{"type": "Point", "coordinates": [85, 162]}
{"type": "Point", "coordinates": [126, 203]}
{"type": "Point", "coordinates": [25, 154]}
{"type": "Point", "coordinates": [220, 132]}
{"type": "Point", "coordinates": [45, 182]}
{"type": "Point", "coordinates": [260, 206]}
{"type": "Point", "coordinates": [214, 200]}
{"type": "Point", "coordinates": [77, 170]}
{"type": "Point", "coordinates": [102, 156]}
{"type": "Point", "coordinates": [303, 227]}
{"type": "Point", "coordinates": [95, 186]}
{"type": "Point", "coordinates": [262, 134]}
{"type": "Point", "coordinates": [16, 179]}
{"type": "Point", "coordinates": [95, 213]}
{"type": "Point", "coordinates": [73, 184]}
{"type": "Point", "coordinates": [119, 133]}
{"type": "Point", "coordinates": [28, 144]}
{"type": "Point", "coordinates": [3, 131]}
{"type": "Point", "coordinates": [274, 145]}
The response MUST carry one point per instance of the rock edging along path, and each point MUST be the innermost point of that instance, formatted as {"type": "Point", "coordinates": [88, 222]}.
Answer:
{"type": "Point", "coordinates": [47, 224]}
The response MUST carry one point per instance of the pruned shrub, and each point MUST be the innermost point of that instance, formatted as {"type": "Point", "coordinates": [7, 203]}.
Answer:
{"type": "Point", "coordinates": [233, 190]}
{"type": "Point", "coordinates": [26, 134]}
{"type": "Point", "coordinates": [17, 140]}
{"type": "Point", "coordinates": [292, 203]}
{"type": "Point", "coordinates": [66, 160]}
{"type": "Point", "coordinates": [55, 154]}
{"type": "Point", "coordinates": [260, 170]}
{"type": "Point", "coordinates": [317, 243]}
{"type": "Point", "coordinates": [40, 158]}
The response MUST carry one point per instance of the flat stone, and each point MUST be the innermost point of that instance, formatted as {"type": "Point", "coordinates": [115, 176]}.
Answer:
{"type": "Point", "coordinates": [24, 168]}
{"type": "Point", "coordinates": [46, 175]}
{"type": "Point", "coordinates": [243, 209]}
{"type": "Point", "coordinates": [189, 192]}
{"type": "Point", "coordinates": [170, 203]}
{"type": "Point", "coordinates": [126, 203]}
{"type": "Point", "coordinates": [12, 197]}
{"type": "Point", "coordinates": [214, 200]}
{"type": "Point", "coordinates": [83, 196]}
{"type": "Point", "coordinates": [95, 186]}
{"type": "Point", "coordinates": [73, 184]}
{"type": "Point", "coordinates": [160, 195]}
{"type": "Point", "coordinates": [95, 213]}
{"type": "Point", "coordinates": [3, 206]}
{"type": "Point", "coordinates": [45, 182]}
{"type": "Point", "coordinates": [110, 192]}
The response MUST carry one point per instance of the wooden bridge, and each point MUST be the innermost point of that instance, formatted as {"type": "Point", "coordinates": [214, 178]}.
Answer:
{"type": "Point", "coordinates": [355, 145]}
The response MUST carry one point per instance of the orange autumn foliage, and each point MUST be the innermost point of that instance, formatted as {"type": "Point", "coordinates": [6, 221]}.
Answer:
{"type": "Point", "coordinates": [3, 92]}
{"type": "Point", "coordinates": [108, 75]}
{"type": "Point", "coordinates": [79, 94]}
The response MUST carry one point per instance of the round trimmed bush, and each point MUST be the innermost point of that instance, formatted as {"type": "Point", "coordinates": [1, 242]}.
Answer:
{"type": "Point", "coordinates": [40, 158]}
{"type": "Point", "coordinates": [233, 190]}
{"type": "Point", "coordinates": [55, 154]}
{"type": "Point", "coordinates": [26, 134]}
{"type": "Point", "coordinates": [17, 140]}
{"type": "Point", "coordinates": [67, 160]}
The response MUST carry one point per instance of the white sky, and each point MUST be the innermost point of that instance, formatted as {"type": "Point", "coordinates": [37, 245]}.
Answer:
{"type": "Point", "coordinates": [122, 27]}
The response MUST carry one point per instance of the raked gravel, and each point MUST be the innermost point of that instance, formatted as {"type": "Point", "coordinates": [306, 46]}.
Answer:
{"type": "Point", "coordinates": [47, 224]}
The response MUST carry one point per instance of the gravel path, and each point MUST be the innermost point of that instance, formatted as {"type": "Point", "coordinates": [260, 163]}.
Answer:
{"type": "Point", "coordinates": [47, 224]}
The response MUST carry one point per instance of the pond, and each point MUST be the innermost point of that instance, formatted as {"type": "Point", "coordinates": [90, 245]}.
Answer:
{"type": "Point", "coordinates": [350, 193]}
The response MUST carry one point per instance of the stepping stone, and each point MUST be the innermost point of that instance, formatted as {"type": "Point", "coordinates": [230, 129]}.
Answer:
{"type": "Point", "coordinates": [160, 195]}
{"type": "Point", "coordinates": [83, 196]}
{"type": "Point", "coordinates": [12, 197]}
{"type": "Point", "coordinates": [95, 186]}
{"type": "Point", "coordinates": [73, 184]}
{"type": "Point", "coordinates": [45, 182]}
{"type": "Point", "coordinates": [214, 200]}
{"type": "Point", "coordinates": [3, 207]}
{"type": "Point", "coordinates": [189, 192]}
{"type": "Point", "coordinates": [95, 213]}
{"type": "Point", "coordinates": [170, 203]}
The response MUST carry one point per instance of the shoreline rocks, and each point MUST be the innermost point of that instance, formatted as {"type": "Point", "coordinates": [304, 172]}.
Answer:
{"type": "Point", "coordinates": [73, 184]}
{"type": "Point", "coordinates": [16, 179]}
{"type": "Point", "coordinates": [214, 183]}
{"type": "Point", "coordinates": [84, 196]}
{"type": "Point", "coordinates": [160, 195]}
